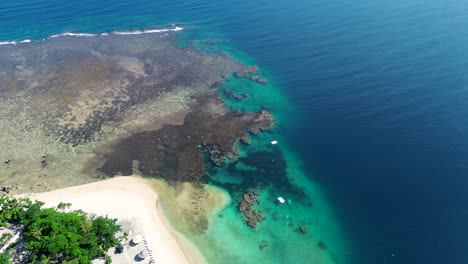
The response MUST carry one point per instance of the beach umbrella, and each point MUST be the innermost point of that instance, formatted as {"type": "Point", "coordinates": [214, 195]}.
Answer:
{"type": "Point", "coordinates": [137, 239]}
{"type": "Point", "coordinates": [119, 249]}
{"type": "Point", "coordinates": [142, 254]}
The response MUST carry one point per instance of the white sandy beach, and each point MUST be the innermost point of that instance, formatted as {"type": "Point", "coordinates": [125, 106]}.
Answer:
{"type": "Point", "coordinates": [129, 199]}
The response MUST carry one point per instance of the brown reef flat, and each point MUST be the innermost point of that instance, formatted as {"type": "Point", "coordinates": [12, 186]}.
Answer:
{"type": "Point", "coordinates": [175, 152]}
{"type": "Point", "coordinates": [74, 110]}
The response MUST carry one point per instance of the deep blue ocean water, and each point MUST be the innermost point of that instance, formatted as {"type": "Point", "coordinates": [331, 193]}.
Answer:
{"type": "Point", "coordinates": [380, 90]}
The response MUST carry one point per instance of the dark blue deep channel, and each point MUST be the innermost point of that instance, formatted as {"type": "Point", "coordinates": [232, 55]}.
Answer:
{"type": "Point", "coordinates": [380, 90]}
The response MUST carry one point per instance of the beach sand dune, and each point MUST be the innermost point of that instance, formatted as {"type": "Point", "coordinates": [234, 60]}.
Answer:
{"type": "Point", "coordinates": [129, 198]}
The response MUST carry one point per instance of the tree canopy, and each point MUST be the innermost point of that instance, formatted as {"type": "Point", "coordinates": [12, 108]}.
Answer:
{"type": "Point", "coordinates": [53, 235]}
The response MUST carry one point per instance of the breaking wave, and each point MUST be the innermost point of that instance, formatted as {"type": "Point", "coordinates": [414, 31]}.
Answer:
{"type": "Point", "coordinates": [8, 43]}
{"type": "Point", "coordinates": [149, 31]}
{"type": "Point", "coordinates": [71, 34]}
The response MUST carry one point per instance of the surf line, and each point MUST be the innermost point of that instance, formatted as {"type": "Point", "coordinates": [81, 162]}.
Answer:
{"type": "Point", "coordinates": [71, 34]}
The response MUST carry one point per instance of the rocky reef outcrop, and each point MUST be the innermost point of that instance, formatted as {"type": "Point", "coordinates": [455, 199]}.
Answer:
{"type": "Point", "coordinates": [263, 244]}
{"type": "Point", "coordinates": [257, 79]}
{"type": "Point", "coordinates": [233, 95]}
{"type": "Point", "coordinates": [246, 71]}
{"type": "Point", "coordinates": [262, 121]}
{"type": "Point", "coordinates": [246, 203]}
{"type": "Point", "coordinates": [303, 229]}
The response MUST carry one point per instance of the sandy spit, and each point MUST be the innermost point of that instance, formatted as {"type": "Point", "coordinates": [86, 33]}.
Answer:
{"type": "Point", "coordinates": [129, 198]}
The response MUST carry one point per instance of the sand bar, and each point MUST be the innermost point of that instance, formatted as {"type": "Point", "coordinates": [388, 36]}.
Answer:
{"type": "Point", "coordinates": [129, 199]}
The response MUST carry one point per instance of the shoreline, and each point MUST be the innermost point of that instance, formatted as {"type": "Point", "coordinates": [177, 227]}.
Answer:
{"type": "Point", "coordinates": [129, 198]}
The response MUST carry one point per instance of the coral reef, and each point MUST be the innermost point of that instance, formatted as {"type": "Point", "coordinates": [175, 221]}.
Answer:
{"type": "Point", "coordinates": [246, 203]}
{"type": "Point", "coordinates": [67, 102]}
{"type": "Point", "coordinates": [263, 121]}
{"type": "Point", "coordinates": [175, 152]}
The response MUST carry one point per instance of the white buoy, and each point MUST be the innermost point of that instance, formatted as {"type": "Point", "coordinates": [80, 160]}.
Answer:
{"type": "Point", "coordinates": [274, 142]}
{"type": "Point", "coordinates": [281, 199]}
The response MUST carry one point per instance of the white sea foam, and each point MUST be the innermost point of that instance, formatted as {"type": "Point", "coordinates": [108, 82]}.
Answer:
{"type": "Point", "coordinates": [148, 31]}
{"type": "Point", "coordinates": [71, 34]}
{"type": "Point", "coordinates": [8, 43]}
{"type": "Point", "coordinates": [79, 34]}
{"type": "Point", "coordinates": [136, 32]}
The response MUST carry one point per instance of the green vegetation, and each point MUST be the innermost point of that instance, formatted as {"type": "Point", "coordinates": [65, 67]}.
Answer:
{"type": "Point", "coordinates": [53, 235]}
{"type": "Point", "coordinates": [5, 258]}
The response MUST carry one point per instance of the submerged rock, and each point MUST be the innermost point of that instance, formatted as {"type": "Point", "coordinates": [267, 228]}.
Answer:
{"type": "Point", "coordinates": [252, 69]}
{"type": "Point", "coordinates": [303, 229]}
{"type": "Point", "coordinates": [247, 201]}
{"type": "Point", "coordinates": [232, 95]}
{"type": "Point", "coordinates": [263, 244]}
{"type": "Point", "coordinates": [254, 78]}
{"type": "Point", "coordinates": [264, 121]}
{"type": "Point", "coordinates": [246, 71]}
{"type": "Point", "coordinates": [321, 245]}
{"type": "Point", "coordinates": [257, 79]}
{"type": "Point", "coordinates": [240, 74]}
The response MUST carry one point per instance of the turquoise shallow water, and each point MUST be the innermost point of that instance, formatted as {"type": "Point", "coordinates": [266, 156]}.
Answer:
{"type": "Point", "coordinates": [228, 239]}
{"type": "Point", "coordinates": [377, 103]}
{"type": "Point", "coordinates": [282, 170]}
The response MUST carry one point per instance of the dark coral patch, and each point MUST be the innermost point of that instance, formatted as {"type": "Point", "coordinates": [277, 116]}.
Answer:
{"type": "Point", "coordinates": [175, 152]}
